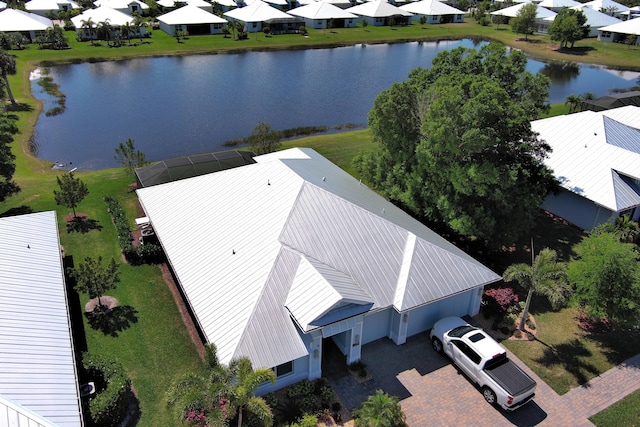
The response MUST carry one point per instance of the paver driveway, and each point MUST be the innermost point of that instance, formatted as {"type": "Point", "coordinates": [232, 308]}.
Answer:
{"type": "Point", "coordinates": [433, 393]}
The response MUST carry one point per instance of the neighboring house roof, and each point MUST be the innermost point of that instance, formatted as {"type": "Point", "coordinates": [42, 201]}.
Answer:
{"type": "Point", "coordinates": [274, 2]}
{"type": "Point", "coordinates": [550, 4]}
{"type": "Point", "coordinates": [595, 19]}
{"type": "Point", "coordinates": [378, 9]}
{"type": "Point", "coordinates": [18, 20]}
{"type": "Point", "coordinates": [227, 3]}
{"type": "Point", "coordinates": [50, 4]}
{"type": "Point", "coordinates": [431, 7]}
{"type": "Point", "coordinates": [188, 167]}
{"type": "Point", "coordinates": [512, 11]}
{"type": "Point", "coordinates": [37, 361]}
{"type": "Point", "coordinates": [294, 236]}
{"type": "Point", "coordinates": [188, 15]}
{"type": "Point", "coordinates": [632, 26]}
{"type": "Point", "coordinates": [605, 4]}
{"type": "Point", "coordinates": [121, 4]}
{"type": "Point", "coordinates": [596, 154]}
{"type": "Point", "coordinates": [321, 10]}
{"type": "Point", "coordinates": [258, 11]}
{"type": "Point", "coordinates": [614, 100]}
{"type": "Point", "coordinates": [102, 14]}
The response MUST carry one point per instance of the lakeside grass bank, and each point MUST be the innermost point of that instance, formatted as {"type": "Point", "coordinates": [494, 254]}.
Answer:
{"type": "Point", "coordinates": [156, 347]}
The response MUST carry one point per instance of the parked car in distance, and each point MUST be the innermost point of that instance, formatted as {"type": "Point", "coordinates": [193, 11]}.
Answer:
{"type": "Point", "coordinates": [484, 361]}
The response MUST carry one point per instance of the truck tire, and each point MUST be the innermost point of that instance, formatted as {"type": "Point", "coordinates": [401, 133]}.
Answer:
{"type": "Point", "coordinates": [436, 344]}
{"type": "Point", "coordinates": [489, 396]}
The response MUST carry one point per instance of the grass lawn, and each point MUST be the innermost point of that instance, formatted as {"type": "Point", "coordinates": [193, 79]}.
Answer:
{"type": "Point", "coordinates": [625, 413]}
{"type": "Point", "coordinates": [152, 343]}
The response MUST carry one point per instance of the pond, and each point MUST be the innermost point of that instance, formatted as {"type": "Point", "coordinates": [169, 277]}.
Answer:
{"type": "Point", "coordinates": [177, 106]}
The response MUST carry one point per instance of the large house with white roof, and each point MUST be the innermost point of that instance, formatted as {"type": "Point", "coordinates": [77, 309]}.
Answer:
{"type": "Point", "coordinates": [620, 32]}
{"type": "Point", "coordinates": [28, 24]}
{"type": "Point", "coordinates": [194, 20]}
{"type": "Point", "coordinates": [435, 12]}
{"type": "Point", "coordinates": [38, 376]}
{"type": "Point", "coordinates": [596, 159]}
{"type": "Point", "coordinates": [291, 251]}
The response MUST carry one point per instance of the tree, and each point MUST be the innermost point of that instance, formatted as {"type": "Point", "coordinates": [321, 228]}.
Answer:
{"type": "Point", "coordinates": [263, 139]}
{"type": "Point", "coordinates": [8, 66]}
{"type": "Point", "coordinates": [380, 410]}
{"type": "Point", "coordinates": [129, 156]}
{"type": "Point", "coordinates": [456, 145]}
{"type": "Point", "coordinates": [574, 102]}
{"type": "Point", "coordinates": [606, 277]}
{"type": "Point", "coordinates": [72, 191]}
{"type": "Point", "coordinates": [105, 29]}
{"type": "Point", "coordinates": [89, 27]}
{"type": "Point", "coordinates": [220, 395]}
{"type": "Point", "coordinates": [95, 279]}
{"type": "Point", "coordinates": [569, 26]}
{"type": "Point", "coordinates": [7, 159]}
{"type": "Point", "coordinates": [627, 230]}
{"type": "Point", "coordinates": [525, 20]}
{"type": "Point", "coordinates": [546, 276]}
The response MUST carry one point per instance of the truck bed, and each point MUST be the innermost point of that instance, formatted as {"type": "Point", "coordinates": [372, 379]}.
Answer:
{"type": "Point", "coordinates": [511, 378]}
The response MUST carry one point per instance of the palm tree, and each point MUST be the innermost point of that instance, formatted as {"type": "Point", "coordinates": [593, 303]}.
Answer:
{"type": "Point", "coordinates": [246, 380]}
{"type": "Point", "coordinates": [381, 410]}
{"type": "Point", "coordinates": [127, 29]}
{"type": "Point", "coordinates": [8, 66]}
{"type": "Point", "coordinates": [544, 276]}
{"type": "Point", "coordinates": [138, 23]}
{"type": "Point", "coordinates": [574, 102]}
{"type": "Point", "coordinates": [221, 394]}
{"type": "Point", "coordinates": [89, 26]}
{"type": "Point", "coordinates": [106, 29]}
{"type": "Point", "coordinates": [627, 230]}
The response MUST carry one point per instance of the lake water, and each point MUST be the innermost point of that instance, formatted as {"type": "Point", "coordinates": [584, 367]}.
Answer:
{"type": "Point", "coordinates": [177, 106]}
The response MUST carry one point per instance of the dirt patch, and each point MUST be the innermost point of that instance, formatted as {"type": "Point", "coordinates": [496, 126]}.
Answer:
{"type": "Point", "coordinates": [109, 302]}
{"type": "Point", "coordinates": [499, 334]}
{"type": "Point", "coordinates": [78, 217]}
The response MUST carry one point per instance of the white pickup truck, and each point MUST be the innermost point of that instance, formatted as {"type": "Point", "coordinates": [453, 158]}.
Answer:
{"type": "Point", "coordinates": [484, 361]}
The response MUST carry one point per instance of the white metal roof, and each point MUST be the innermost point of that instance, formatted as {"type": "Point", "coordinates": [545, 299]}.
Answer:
{"type": "Point", "coordinates": [321, 10]}
{"type": "Point", "coordinates": [431, 7]}
{"type": "Point", "coordinates": [378, 9]}
{"type": "Point", "coordinates": [596, 19]}
{"type": "Point", "coordinates": [594, 154]}
{"type": "Point", "coordinates": [559, 3]}
{"type": "Point", "coordinates": [18, 20]}
{"type": "Point", "coordinates": [605, 4]}
{"type": "Point", "coordinates": [295, 218]}
{"type": "Point", "coordinates": [50, 4]}
{"type": "Point", "coordinates": [37, 364]}
{"type": "Point", "coordinates": [258, 11]}
{"type": "Point", "coordinates": [121, 4]}
{"type": "Point", "coordinates": [103, 14]}
{"type": "Point", "coordinates": [15, 415]}
{"type": "Point", "coordinates": [632, 26]}
{"type": "Point", "coordinates": [190, 15]}
{"type": "Point", "coordinates": [512, 11]}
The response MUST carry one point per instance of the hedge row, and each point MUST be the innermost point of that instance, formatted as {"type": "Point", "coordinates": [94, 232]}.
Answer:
{"type": "Point", "coordinates": [135, 255]}
{"type": "Point", "coordinates": [108, 407]}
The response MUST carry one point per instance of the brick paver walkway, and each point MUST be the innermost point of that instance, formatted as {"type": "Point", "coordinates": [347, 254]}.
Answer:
{"type": "Point", "coordinates": [433, 393]}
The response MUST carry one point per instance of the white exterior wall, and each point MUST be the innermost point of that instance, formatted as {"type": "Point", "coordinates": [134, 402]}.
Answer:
{"type": "Point", "coordinates": [577, 210]}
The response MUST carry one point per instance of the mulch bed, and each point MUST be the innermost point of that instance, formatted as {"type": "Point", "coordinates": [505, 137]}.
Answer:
{"type": "Point", "coordinates": [79, 217]}
{"type": "Point", "coordinates": [105, 300]}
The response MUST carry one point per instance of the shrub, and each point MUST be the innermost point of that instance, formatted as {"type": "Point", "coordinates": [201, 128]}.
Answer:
{"type": "Point", "coordinates": [113, 391]}
{"type": "Point", "coordinates": [499, 300]}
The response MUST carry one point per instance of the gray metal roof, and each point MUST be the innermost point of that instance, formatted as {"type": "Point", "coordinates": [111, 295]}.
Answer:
{"type": "Point", "coordinates": [37, 363]}
{"type": "Point", "coordinates": [294, 235]}
{"type": "Point", "coordinates": [588, 146]}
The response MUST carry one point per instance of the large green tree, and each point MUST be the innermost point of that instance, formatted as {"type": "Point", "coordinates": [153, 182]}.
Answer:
{"type": "Point", "coordinates": [606, 277]}
{"type": "Point", "coordinates": [72, 191]}
{"type": "Point", "coordinates": [456, 145]}
{"type": "Point", "coordinates": [525, 20]}
{"type": "Point", "coordinates": [568, 27]}
{"type": "Point", "coordinates": [7, 66]}
{"type": "Point", "coordinates": [8, 128]}
{"type": "Point", "coordinates": [130, 158]}
{"type": "Point", "coordinates": [545, 276]}
{"type": "Point", "coordinates": [264, 139]}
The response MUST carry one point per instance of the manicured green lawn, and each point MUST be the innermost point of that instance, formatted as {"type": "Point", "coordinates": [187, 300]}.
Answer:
{"type": "Point", "coordinates": [625, 413]}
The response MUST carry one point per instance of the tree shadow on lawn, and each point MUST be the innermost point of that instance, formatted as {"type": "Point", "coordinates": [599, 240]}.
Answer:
{"type": "Point", "coordinates": [576, 51]}
{"type": "Point", "coordinates": [19, 106]}
{"type": "Point", "coordinates": [569, 356]}
{"type": "Point", "coordinates": [82, 225]}
{"type": "Point", "coordinates": [618, 343]}
{"type": "Point", "coordinates": [114, 321]}
{"type": "Point", "coordinates": [20, 210]}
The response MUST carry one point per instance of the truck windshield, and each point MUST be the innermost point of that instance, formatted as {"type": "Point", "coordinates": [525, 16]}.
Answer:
{"type": "Point", "coordinates": [461, 331]}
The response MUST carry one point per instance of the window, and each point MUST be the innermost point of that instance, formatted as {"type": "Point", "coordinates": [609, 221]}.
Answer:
{"type": "Point", "coordinates": [606, 34]}
{"type": "Point", "coordinates": [464, 348]}
{"type": "Point", "coordinates": [284, 369]}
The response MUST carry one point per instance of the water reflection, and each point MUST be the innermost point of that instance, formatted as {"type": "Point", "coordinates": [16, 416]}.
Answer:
{"type": "Point", "coordinates": [177, 106]}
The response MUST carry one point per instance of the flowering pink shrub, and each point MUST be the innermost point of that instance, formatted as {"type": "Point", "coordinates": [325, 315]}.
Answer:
{"type": "Point", "coordinates": [196, 418]}
{"type": "Point", "coordinates": [500, 299]}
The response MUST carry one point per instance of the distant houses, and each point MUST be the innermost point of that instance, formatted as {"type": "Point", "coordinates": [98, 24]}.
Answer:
{"type": "Point", "coordinates": [191, 19]}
